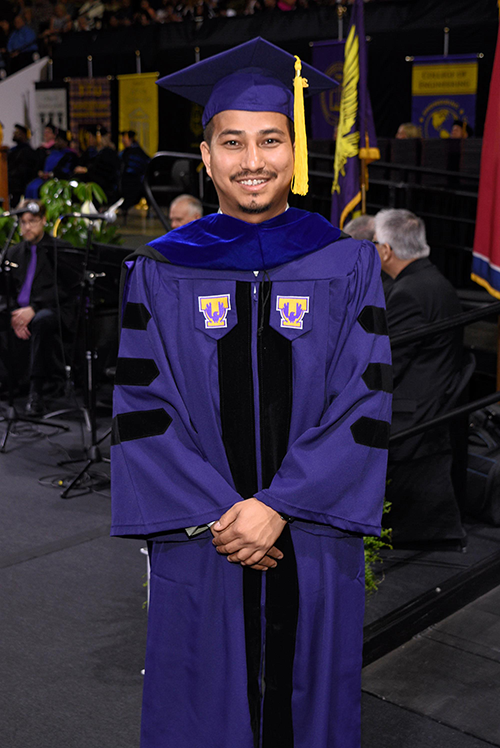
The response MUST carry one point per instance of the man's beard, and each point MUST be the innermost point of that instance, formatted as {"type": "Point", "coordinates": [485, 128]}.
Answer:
{"type": "Point", "coordinates": [254, 209]}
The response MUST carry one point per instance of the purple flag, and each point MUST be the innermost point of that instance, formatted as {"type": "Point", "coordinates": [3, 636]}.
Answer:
{"type": "Point", "coordinates": [356, 132]}
{"type": "Point", "coordinates": [327, 56]}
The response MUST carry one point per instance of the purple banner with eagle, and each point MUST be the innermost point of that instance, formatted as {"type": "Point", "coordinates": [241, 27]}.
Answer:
{"type": "Point", "coordinates": [356, 142]}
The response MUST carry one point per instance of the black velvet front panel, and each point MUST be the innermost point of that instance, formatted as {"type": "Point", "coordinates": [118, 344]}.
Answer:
{"type": "Point", "coordinates": [236, 396]}
{"type": "Point", "coordinates": [275, 391]}
{"type": "Point", "coordinates": [282, 611]}
{"type": "Point", "coordinates": [282, 589]}
{"type": "Point", "coordinates": [238, 433]}
{"type": "Point", "coordinates": [274, 353]}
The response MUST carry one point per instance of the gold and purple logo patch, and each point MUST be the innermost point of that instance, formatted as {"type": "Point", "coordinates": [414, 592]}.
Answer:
{"type": "Point", "coordinates": [215, 309]}
{"type": "Point", "coordinates": [292, 310]}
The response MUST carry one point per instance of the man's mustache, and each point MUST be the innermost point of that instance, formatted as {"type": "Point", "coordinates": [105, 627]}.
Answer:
{"type": "Point", "coordinates": [254, 175]}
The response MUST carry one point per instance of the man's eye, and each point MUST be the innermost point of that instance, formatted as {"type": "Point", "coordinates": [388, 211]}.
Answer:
{"type": "Point", "coordinates": [231, 142]}
{"type": "Point", "coordinates": [271, 141]}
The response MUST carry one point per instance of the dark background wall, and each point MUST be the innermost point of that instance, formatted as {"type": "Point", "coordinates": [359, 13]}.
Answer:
{"type": "Point", "coordinates": [396, 28]}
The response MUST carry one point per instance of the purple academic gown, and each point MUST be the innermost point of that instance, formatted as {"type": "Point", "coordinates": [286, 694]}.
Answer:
{"type": "Point", "coordinates": [261, 369]}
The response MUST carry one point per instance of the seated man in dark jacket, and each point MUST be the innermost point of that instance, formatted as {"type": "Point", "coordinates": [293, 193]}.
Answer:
{"type": "Point", "coordinates": [134, 162]}
{"type": "Point", "coordinates": [34, 303]}
{"type": "Point", "coordinates": [21, 163]}
{"type": "Point", "coordinates": [104, 167]}
{"type": "Point", "coordinates": [426, 374]}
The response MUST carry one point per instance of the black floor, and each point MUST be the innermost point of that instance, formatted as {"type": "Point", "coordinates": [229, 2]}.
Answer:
{"type": "Point", "coordinates": [73, 624]}
{"type": "Point", "coordinates": [442, 688]}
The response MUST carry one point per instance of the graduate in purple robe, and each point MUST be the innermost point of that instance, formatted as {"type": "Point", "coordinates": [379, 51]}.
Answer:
{"type": "Point", "coordinates": [252, 409]}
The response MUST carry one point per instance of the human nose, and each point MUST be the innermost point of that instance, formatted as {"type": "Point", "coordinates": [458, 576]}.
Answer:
{"type": "Point", "coordinates": [253, 159]}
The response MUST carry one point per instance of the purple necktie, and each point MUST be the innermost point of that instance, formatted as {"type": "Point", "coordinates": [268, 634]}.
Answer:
{"type": "Point", "coordinates": [24, 294]}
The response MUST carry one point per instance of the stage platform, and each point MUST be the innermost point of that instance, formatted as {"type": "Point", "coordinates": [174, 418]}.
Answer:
{"type": "Point", "coordinates": [73, 622]}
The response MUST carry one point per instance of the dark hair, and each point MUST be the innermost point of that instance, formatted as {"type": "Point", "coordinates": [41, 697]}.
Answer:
{"type": "Point", "coordinates": [28, 204]}
{"type": "Point", "coordinates": [462, 124]}
{"type": "Point", "coordinates": [209, 130]}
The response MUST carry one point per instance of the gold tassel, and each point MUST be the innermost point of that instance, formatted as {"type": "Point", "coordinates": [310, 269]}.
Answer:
{"type": "Point", "coordinates": [300, 179]}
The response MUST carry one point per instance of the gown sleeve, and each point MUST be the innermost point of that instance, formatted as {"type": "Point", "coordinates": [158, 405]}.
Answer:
{"type": "Point", "coordinates": [161, 480]}
{"type": "Point", "coordinates": [334, 473]}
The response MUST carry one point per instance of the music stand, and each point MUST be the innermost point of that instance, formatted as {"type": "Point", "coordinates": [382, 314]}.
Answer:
{"type": "Point", "coordinates": [87, 314]}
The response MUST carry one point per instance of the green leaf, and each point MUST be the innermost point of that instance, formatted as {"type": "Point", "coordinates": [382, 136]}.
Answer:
{"type": "Point", "coordinates": [373, 547]}
{"type": "Point", "coordinates": [98, 192]}
{"type": "Point", "coordinates": [81, 192]}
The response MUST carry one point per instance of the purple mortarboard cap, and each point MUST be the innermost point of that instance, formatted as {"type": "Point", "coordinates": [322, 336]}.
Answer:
{"type": "Point", "coordinates": [256, 76]}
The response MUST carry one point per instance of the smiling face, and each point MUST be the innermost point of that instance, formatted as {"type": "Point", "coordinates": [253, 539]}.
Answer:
{"type": "Point", "coordinates": [250, 160]}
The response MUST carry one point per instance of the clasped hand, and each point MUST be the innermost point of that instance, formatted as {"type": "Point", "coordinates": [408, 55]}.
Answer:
{"type": "Point", "coordinates": [20, 320]}
{"type": "Point", "coordinates": [246, 534]}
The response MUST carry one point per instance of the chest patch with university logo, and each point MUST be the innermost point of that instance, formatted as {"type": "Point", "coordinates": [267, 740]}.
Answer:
{"type": "Point", "coordinates": [292, 310]}
{"type": "Point", "coordinates": [215, 309]}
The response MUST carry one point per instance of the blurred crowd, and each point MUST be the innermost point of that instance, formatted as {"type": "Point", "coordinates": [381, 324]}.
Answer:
{"type": "Point", "coordinates": [33, 27]}
{"type": "Point", "coordinates": [460, 130]}
{"type": "Point", "coordinates": [91, 158]}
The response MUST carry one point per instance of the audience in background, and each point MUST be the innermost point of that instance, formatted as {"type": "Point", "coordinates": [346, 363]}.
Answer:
{"type": "Point", "coordinates": [145, 15]}
{"type": "Point", "coordinates": [46, 22]}
{"type": "Point", "coordinates": [21, 44]}
{"type": "Point", "coordinates": [21, 164]}
{"type": "Point", "coordinates": [38, 15]}
{"type": "Point", "coordinates": [60, 23]}
{"type": "Point", "coordinates": [103, 168]}
{"type": "Point", "coordinates": [407, 131]}
{"type": "Point", "coordinates": [43, 150]}
{"type": "Point", "coordinates": [461, 129]}
{"type": "Point", "coordinates": [184, 209]}
{"type": "Point", "coordinates": [4, 35]}
{"type": "Point", "coordinates": [59, 164]}
{"type": "Point", "coordinates": [49, 136]}
{"type": "Point", "coordinates": [90, 16]}
{"type": "Point", "coordinates": [134, 162]}
{"type": "Point", "coordinates": [123, 16]}
{"type": "Point", "coordinates": [167, 13]}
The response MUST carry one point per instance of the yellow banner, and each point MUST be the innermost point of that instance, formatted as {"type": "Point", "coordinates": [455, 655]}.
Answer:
{"type": "Point", "coordinates": [138, 108]}
{"type": "Point", "coordinates": [444, 80]}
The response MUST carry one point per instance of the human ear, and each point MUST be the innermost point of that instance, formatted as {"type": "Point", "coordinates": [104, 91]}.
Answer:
{"type": "Point", "coordinates": [206, 156]}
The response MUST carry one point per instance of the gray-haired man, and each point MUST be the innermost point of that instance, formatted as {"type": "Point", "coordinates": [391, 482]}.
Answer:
{"type": "Point", "coordinates": [183, 210]}
{"type": "Point", "coordinates": [426, 374]}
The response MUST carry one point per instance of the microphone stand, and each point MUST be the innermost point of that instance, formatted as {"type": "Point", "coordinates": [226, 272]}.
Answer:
{"type": "Point", "coordinates": [87, 313]}
{"type": "Point", "coordinates": [12, 416]}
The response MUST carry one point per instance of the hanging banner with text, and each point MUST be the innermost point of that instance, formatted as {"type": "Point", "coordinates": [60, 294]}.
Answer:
{"type": "Point", "coordinates": [51, 107]}
{"type": "Point", "coordinates": [328, 57]}
{"type": "Point", "coordinates": [138, 108]}
{"type": "Point", "coordinates": [89, 103]}
{"type": "Point", "coordinates": [443, 90]}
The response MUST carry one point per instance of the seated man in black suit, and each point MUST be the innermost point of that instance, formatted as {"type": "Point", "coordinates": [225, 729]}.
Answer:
{"type": "Point", "coordinates": [34, 305]}
{"type": "Point", "coordinates": [426, 375]}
